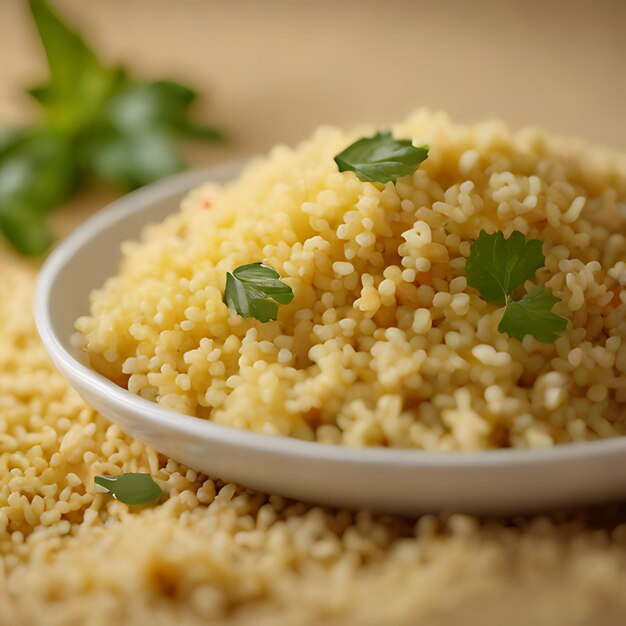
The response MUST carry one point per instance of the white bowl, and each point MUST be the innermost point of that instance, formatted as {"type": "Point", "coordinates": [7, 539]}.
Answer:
{"type": "Point", "coordinates": [377, 479]}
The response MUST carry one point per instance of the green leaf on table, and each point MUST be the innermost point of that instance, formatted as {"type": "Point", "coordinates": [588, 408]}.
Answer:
{"type": "Point", "coordinates": [131, 161]}
{"type": "Point", "coordinates": [10, 138]}
{"type": "Point", "coordinates": [39, 93]}
{"type": "Point", "coordinates": [201, 131]}
{"type": "Point", "coordinates": [161, 104]}
{"type": "Point", "coordinates": [381, 158]}
{"type": "Point", "coordinates": [79, 82]}
{"type": "Point", "coordinates": [497, 266]}
{"type": "Point", "coordinates": [37, 171]}
{"type": "Point", "coordinates": [131, 488]}
{"type": "Point", "coordinates": [255, 290]}
{"type": "Point", "coordinates": [27, 231]}
{"type": "Point", "coordinates": [68, 54]}
{"type": "Point", "coordinates": [97, 120]}
{"type": "Point", "coordinates": [533, 315]}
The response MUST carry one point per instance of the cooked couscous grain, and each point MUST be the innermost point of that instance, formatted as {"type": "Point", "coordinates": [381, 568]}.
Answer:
{"type": "Point", "coordinates": [217, 554]}
{"type": "Point", "coordinates": [384, 339]}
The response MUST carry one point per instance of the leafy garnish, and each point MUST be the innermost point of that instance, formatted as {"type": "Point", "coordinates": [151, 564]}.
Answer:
{"type": "Point", "coordinates": [131, 488]}
{"type": "Point", "coordinates": [497, 267]}
{"type": "Point", "coordinates": [37, 171]}
{"type": "Point", "coordinates": [381, 158]}
{"type": "Point", "coordinates": [97, 120]}
{"type": "Point", "coordinates": [532, 315]}
{"type": "Point", "coordinates": [79, 83]}
{"type": "Point", "coordinates": [255, 290]}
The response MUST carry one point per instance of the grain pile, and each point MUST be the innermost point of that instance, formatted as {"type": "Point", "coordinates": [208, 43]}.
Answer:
{"type": "Point", "coordinates": [384, 342]}
{"type": "Point", "coordinates": [217, 554]}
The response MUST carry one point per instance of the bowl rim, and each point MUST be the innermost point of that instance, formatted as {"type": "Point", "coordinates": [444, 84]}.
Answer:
{"type": "Point", "coordinates": [139, 201]}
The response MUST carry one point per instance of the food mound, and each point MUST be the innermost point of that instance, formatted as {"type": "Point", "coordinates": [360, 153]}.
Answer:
{"type": "Point", "coordinates": [477, 302]}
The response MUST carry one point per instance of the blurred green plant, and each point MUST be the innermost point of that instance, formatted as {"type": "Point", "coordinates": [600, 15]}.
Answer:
{"type": "Point", "coordinates": [97, 121]}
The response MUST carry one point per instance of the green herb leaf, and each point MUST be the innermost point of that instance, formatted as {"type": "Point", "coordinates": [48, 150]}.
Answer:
{"type": "Point", "coordinates": [161, 104]}
{"type": "Point", "coordinates": [497, 266]}
{"type": "Point", "coordinates": [68, 55]}
{"type": "Point", "coordinates": [27, 231]}
{"type": "Point", "coordinates": [10, 138]}
{"type": "Point", "coordinates": [40, 93]}
{"type": "Point", "coordinates": [255, 290]}
{"type": "Point", "coordinates": [200, 131]}
{"type": "Point", "coordinates": [131, 488]}
{"type": "Point", "coordinates": [98, 120]}
{"type": "Point", "coordinates": [79, 83]}
{"type": "Point", "coordinates": [37, 171]}
{"type": "Point", "coordinates": [381, 158]}
{"type": "Point", "coordinates": [533, 315]}
{"type": "Point", "coordinates": [130, 161]}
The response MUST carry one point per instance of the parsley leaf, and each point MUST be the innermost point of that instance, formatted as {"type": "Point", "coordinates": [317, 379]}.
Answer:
{"type": "Point", "coordinates": [381, 158]}
{"type": "Point", "coordinates": [131, 488]}
{"type": "Point", "coordinates": [255, 290]}
{"type": "Point", "coordinates": [532, 315]}
{"type": "Point", "coordinates": [496, 267]}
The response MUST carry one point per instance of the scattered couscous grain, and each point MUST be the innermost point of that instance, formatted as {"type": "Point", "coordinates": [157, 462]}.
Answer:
{"type": "Point", "coordinates": [384, 340]}
{"type": "Point", "coordinates": [217, 554]}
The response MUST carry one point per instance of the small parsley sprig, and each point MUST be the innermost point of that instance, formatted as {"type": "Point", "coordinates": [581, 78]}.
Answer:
{"type": "Point", "coordinates": [131, 488]}
{"type": "Point", "coordinates": [255, 290]}
{"type": "Point", "coordinates": [97, 121]}
{"type": "Point", "coordinates": [381, 158]}
{"type": "Point", "coordinates": [497, 267]}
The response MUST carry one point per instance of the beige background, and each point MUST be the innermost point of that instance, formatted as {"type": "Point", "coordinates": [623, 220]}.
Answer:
{"type": "Point", "coordinates": [273, 70]}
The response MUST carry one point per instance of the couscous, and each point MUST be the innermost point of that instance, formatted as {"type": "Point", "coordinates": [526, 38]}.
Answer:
{"type": "Point", "coordinates": [385, 339]}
